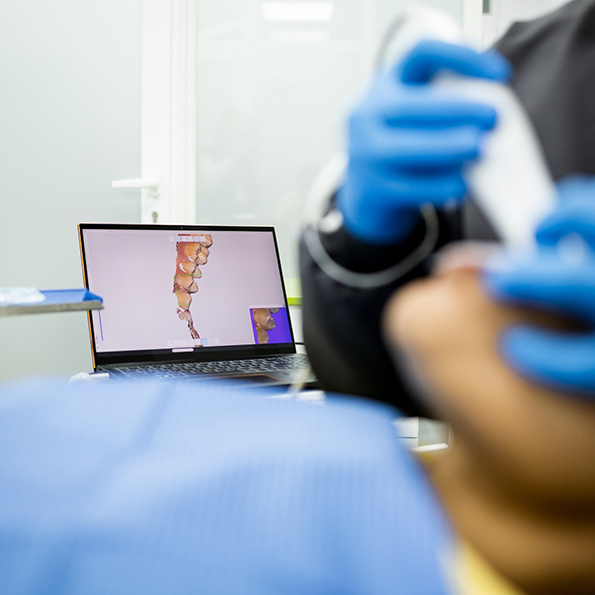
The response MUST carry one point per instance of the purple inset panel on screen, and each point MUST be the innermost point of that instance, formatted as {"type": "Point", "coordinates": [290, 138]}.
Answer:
{"type": "Point", "coordinates": [281, 332]}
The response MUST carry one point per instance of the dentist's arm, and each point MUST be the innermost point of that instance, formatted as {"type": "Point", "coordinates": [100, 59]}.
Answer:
{"type": "Point", "coordinates": [407, 146]}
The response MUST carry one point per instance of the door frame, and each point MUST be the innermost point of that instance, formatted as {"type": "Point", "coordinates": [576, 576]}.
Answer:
{"type": "Point", "coordinates": [168, 110]}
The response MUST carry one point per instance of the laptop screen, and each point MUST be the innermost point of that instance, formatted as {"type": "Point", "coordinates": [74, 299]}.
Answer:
{"type": "Point", "coordinates": [184, 292]}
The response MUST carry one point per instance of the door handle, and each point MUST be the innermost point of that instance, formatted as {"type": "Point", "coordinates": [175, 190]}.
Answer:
{"type": "Point", "coordinates": [152, 184]}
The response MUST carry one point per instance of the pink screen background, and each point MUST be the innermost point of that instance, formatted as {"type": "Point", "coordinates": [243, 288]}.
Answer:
{"type": "Point", "coordinates": [133, 271]}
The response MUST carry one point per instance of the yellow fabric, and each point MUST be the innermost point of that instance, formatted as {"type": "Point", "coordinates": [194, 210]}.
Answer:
{"type": "Point", "coordinates": [474, 576]}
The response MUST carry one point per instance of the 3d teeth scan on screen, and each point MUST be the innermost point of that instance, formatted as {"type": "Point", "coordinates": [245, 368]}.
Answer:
{"type": "Point", "coordinates": [190, 255]}
{"type": "Point", "coordinates": [270, 325]}
{"type": "Point", "coordinates": [263, 322]}
{"type": "Point", "coordinates": [192, 289]}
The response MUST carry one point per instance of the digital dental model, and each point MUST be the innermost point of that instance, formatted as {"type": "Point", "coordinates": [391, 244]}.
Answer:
{"type": "Point", "coordinates": [189, 256]}
{"type": "Point", "coordinates": [263, 322]}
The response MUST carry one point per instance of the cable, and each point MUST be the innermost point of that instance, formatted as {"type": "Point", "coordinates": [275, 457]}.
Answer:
{"type": "Point", "coordinates": [380, 278]}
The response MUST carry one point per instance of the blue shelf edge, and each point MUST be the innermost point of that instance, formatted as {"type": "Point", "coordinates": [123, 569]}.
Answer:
{"type": "Point", "coordinates": [68, 296]}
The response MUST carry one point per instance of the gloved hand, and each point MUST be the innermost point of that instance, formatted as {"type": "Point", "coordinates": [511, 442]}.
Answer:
{"type": "Point", "coordinates": [559, 277]}
{"type": "Point", "coordinates": [409, 141]}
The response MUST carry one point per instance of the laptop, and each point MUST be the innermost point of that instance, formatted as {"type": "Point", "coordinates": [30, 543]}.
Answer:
{"type": "Point", "coordinates": [191, 302]}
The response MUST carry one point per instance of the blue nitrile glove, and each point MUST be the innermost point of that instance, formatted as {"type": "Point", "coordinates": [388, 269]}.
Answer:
{"type": "Point", "coordinates": [409, 141]}
{"type": "Point", "coordinates": [559, 277]}
{"type": "Point", "coordinates": [575, 213]}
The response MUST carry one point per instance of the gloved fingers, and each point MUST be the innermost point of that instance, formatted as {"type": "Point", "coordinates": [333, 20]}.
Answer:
{"type": "Point", "coordinates": [574, 215]}
{"type": "Point", "coordinates": [388, 206]}
{"type": "Point", "coordinates": [571, 219]}
{"type": "Point", "coordinates": [421, 107]}
{"type": "Point", "coordinates": [543, 280]}
{"type": "Point", "coordinates": [576, 188]}
{"type": "Point", "coordinates": [564, 360]}
{"type": "Point", "coordinates": [405, 191]}
{"type": "Point", "coordinates": [431, 111]}
{"type": "Point", "coordinates": [437, 190]}
{"type": "Point", "coordinates": [421, 150]}
{"type": "Point", "coordinates": [382, 221]}
{"type": "Point", "coordinates": [429, 57]}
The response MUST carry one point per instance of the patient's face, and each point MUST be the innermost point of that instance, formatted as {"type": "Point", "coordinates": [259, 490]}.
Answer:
{"type": "Point", "coordinates": [530, 439]}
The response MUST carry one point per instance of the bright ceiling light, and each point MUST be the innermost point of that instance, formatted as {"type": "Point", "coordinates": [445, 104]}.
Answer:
{"type": "Point", "coordinates": [297, 11]}
{"type": "Point", "coordinates": [299, 36]}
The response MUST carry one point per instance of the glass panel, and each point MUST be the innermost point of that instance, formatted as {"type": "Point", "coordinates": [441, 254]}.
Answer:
{"type": "Point", "coordinates": [275, 81]}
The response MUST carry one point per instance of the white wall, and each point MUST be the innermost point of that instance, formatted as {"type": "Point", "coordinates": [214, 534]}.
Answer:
{"type": "Point", "coordinates": [69, 125]}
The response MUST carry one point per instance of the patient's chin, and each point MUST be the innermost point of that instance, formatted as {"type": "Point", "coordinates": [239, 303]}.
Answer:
{"type": "Point", "coordinates": [443, 333]}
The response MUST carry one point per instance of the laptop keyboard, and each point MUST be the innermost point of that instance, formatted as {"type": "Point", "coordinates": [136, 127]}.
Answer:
{"type": "Point", "coordinates": [241, 366]}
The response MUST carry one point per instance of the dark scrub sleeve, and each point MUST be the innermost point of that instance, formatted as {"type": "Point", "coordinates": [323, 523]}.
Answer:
{"type": "Point", "coordinates": [342, 324]}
